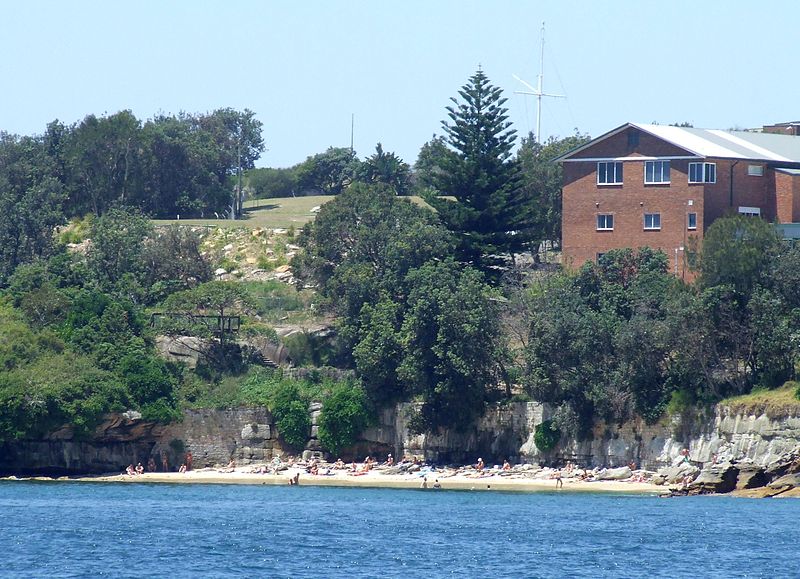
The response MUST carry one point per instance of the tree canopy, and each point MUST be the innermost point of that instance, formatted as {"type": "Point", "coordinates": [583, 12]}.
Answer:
{"type": "Point", "coordinates": [477, 181]}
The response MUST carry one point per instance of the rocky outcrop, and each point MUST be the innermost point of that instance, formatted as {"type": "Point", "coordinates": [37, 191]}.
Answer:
{"type": "Point", "coordinates": [715, 478]}
{"type": "Point", "coordinates": [504, 432]}
{"type": "Point", "coordinates": [214, 437]}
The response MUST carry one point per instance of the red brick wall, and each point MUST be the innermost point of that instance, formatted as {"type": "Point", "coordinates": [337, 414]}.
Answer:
{"type": "Point", "coordinates": [748, 191]}
{"type": "Point", "coordinates": [787, 194]}
{"type": "Point", "coordinates": [583, 199]}
{"type": "Point", "coordinates": [617, 146]}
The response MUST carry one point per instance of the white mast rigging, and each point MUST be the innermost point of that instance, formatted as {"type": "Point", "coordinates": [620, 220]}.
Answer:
{"type": "Point", "coordinates": [538, 92]}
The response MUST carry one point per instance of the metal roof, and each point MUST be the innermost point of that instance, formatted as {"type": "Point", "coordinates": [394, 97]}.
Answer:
{"type": "Point", "coordinates": [716, 143]}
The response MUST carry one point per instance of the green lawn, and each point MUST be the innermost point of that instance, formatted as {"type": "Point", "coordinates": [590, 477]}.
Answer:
{"type": "Point", "coordinates": [270, 213]}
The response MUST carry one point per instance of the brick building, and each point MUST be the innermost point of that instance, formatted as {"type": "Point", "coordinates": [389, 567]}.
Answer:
{"type": "Point", "coordinates": [659, 186]}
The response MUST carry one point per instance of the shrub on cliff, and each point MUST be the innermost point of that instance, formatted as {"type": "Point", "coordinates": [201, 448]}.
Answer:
{"type": "Point", "coordinates": [290, 409]}
{"type": "Point", "coordinates": [546, 436]}
{"type": "Point", "coordinates": [345, 415]}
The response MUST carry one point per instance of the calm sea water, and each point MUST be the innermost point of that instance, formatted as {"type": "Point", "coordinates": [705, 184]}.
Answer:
{"type": "Point", "coordinates": [84, 529]}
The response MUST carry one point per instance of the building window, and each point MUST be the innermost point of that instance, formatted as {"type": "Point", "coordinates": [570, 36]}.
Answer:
{"type": "Point", "coordinates": [652, 221]}
{"type": "Point", "coordinates": [609, 173]}
{"type": "Point", "coordinates": [702, 172]}
{"type": "Point", "coordinates": [656, 172]}
{"type": "Point", "coordinates": [755, 170]}
{"type": "Point", "coordinates": [750, 211]}
{"type": "Point", "coordinates": [605, 222]}
{"type": "Point", "coordinates": [691, 221]}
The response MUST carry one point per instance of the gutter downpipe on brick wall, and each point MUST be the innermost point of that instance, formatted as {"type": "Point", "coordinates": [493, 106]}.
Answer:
{"type": "Point", "coordinates": [730, 181]}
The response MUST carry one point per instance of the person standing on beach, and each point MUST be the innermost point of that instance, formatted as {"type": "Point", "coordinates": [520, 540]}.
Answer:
{"type": "Point", "coordinates": [189, 460]}
{"type": "Point", "coordinates": [424, 483]}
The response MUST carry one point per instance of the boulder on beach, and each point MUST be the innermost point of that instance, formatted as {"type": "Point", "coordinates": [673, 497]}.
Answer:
{"type": "Point", "coordinates": [675, 474]}
{"type": "Point", "coordinates": [620, 473]}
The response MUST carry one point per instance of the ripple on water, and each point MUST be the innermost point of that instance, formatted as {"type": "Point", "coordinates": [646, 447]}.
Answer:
{"type": "Point", "coordinates": [209, 530]}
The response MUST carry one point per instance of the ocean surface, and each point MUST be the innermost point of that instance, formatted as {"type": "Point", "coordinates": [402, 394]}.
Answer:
{"type": "Point", "coordinates": [65, 529]}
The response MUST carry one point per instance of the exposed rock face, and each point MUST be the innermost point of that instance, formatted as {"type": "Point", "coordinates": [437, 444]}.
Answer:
{"type": "Point", "coordinates": [214, 437]}
{"type": "Point", "coordinates": [716, 478]}
{"type": "Point", "coordinates": [503, 432]}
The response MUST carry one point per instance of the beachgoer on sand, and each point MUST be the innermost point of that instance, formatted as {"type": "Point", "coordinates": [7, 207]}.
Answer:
{"type": "Point", "coordinates": [506, 465]}
{"type": "Point", "coordinates": [424, 484]}
{"type": "Point", "coordinates": [437, 484]}
{"type": "Point", "coordinates": [139, 468]}
{"type": "Point", "coordinates": [189, 460]}
{"type": "Point", "coordinates": [559, 481]}
{"type": "Point", "coordinates": [182, 469]}
{"type": "Point", "coordinates": [480, 465]}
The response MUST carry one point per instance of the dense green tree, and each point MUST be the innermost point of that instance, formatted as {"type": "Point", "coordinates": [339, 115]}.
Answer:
{"type": "Point", "coordinates": [31, 199]}
{"type": "Point", "coordinates": [327, 173]}
{"type": "Point", "coordinates": [115, 256]}
{"type": "Point", "coordinates": [345, 414]}
{"type": "Point", "coordinates": [365, 242]}
{"type": "Point", "coordinates": [267, 183]}
{"type": "Point", "coordinates": [601, 341]}
{"type": "Point", "coordinates": [451, 343]}
{"type": "Point", "coordinates": [54, 391]}
{"type": "Point", "coordinates": [479, 183]}
{"type": "Point", "coordinates": [428, 166]}
{"type": "Point", "coordinates": [173, 261]}
{"type": "Point", "coordinates": [542, 179]}
{"type": "Point", "coordinates": [100, 153]}
{"type": "Point", "coordinates": [386, 168]}
{"type": "Point", "coordinates": [235, 137]}
{"type": "Point", "coordinates": [738, 251]}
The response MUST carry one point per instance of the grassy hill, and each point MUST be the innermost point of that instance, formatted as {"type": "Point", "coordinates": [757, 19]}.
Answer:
{"type": "Point", "coordinates": [270, 213]}
{"type": "Point", "coordinates": [265, 213]}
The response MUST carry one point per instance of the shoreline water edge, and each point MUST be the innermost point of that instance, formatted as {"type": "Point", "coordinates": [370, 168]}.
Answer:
{"type": "Point", "coordinates": [520, 478]}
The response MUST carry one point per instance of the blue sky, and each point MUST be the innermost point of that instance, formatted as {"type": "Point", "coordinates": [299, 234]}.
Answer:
{"type": "Point", "coordinates": [305, 66]}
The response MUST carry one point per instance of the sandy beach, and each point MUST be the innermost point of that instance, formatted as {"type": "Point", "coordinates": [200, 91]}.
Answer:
{"type": "Point", "coordinates": [447, 479]}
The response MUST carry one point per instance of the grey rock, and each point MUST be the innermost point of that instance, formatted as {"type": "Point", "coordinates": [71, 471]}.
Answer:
{"type": "Point", "coordinates": [716, 478]}
{"type": "Point", "coordinates": [786, 481]}
{"type": "Point", "coordinates": [620, 473]}
{"type": "Point", "coordinates": [675, 474]}
{"type": "Point", "coordinates": [751, 476]}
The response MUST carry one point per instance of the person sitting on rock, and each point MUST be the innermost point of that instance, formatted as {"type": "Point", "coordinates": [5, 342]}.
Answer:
{"type": "Point", "coordinates": [506, 465]}
{"type": "Point", "coordinates": [479, 467]}
{"type": "Point", "coordinates": [130, 470]}
{"type": "Point", "coordinates": [139, 468]}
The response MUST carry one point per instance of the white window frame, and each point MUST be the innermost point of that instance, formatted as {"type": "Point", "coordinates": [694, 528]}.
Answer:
{"type": "Point", "coordinates": [617, 170]}
{"type": "Point", "coordinates": [750, 211]}
{"type": "Point", "coordinates": [653, 217]}
{"type": "Point", "coordinates": [657, 179]}
{"type": "Point", "coordinates": [755, 170]}
{"type": "Point", "coordinates": [605, 227]}
{"type": "Point", "coordinates": [708, 173]}
{"type": "Point", "coordinates": [689, 221]}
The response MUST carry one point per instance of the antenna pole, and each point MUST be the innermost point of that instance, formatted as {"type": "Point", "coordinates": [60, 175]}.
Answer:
{"type": "Point", "coordinates": [538, 92]}
{"type": "Point", "coordinates": [539, 83]}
